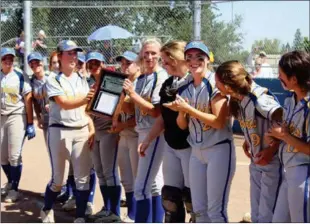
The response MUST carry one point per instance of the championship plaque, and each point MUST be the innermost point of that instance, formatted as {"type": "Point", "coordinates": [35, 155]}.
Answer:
{"type": "Point", "coordinates": [109, 95]}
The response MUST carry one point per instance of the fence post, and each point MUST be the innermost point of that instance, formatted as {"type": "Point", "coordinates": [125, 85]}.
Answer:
{"type": "Point", "coordinates": [197, 20]}
{"type": "Point", "coordinates": [28, 34]}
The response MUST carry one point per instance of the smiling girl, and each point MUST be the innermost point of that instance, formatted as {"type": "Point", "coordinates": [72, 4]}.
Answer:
{"type": "Point", "coordinates": [204, 111]}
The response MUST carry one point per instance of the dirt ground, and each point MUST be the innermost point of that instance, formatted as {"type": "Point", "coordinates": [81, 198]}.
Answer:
{"type": "Point", "coordinates": [37, 172]}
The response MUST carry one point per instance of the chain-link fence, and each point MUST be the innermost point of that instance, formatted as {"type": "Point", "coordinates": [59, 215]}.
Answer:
{"type": "Point", "coordinates": [167, 20]}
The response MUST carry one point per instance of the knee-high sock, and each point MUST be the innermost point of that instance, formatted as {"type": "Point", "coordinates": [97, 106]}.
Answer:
{"type": "Point", "coordinates": [115, 199]}
{"type": "Point", "coordinates": [144, 211]}
{"type": "Point", "coordinates": [158, 211]}
{"type": "Point", "coordinates": [7, 170]}
{"type": "Point", "coordinates": [131, 205]}
{"type": "Point", "coordinates": [16, 172]}
{"type": "Point", "coordinates": [49, 198]}
{"type": "Point", "coordinates": [105, 197]}
{"type": "Point", "coordinates": [81, 203]}
{"type": "Point", "coordinates": [92, 187]}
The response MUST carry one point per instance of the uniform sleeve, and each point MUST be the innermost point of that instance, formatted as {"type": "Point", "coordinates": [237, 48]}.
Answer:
{"type": "Point", "coordinates": [162, 76]}
{"type": "Point", "coordinates": [53, 87]}
{"type": "Point", "coordinates": [266, 105]}
{"type": "Point", "coordinates": [27, 87]}
{"type": "Point", "coordinates": [215, 90]}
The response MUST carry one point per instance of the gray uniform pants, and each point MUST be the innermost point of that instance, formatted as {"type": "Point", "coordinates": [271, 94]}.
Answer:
{"type": "Point", "coordinates": [13, 129]}
{"type": "Point", "coordinates": [128, 161]}
{"type": "Point", "coordinates": [104, 156]}
{"type": "Point", "coordinates": [65, 145]}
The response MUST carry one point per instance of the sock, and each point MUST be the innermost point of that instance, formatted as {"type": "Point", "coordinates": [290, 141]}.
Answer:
{"type": "Point", "coordinates": [7, 171]}
{"type": "Point", "coordinates": [144, 211]}
{"type": "Point", "coordinates": [115, 199]}
{"type": "Point", "coordinates": [81, 203]}
{"type": "Point", "coordinates": [70, 182]}
{"type": "Point", "coordinates": [49, 198]}
{"type": "Point", "coordinates": [106, 200]}
{"type": "Point", "coordinates": [92, 187]}
{"type": "Point", "coordinates": [131, 205]}
{"type": "Point", "coordinates": [15, 172]}
{"type": "Point", "coordinates": [158, 211]}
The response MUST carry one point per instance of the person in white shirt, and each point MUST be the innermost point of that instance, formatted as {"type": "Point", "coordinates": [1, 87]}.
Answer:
{"type": "Point", "coordinates": [266, 70]}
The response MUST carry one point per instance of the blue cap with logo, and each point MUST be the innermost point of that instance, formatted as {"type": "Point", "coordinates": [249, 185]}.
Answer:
{"type": "Point", "coordinates": [94, 55]}
{"type": "Point", "coordinates": [68, 45]}
{"type": "Point", "coordinates": [7, 51]}
{"type": "Point", "coordinates": [81, 57]}
{"type": "Point", "coordinates": [197, 45]}
{"type": "Point", "coordinates": [34, 56]}
{"type": "Point", "coordinates": [128, 55]}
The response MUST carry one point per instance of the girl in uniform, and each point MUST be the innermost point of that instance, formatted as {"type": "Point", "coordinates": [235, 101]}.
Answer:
{"type": "Point", "coordinates": [70, 132]}
{"type": "Point", "coordinates": [40, 99]}
{"type": "Point", "coordinates": [53, 63]}
{"type": "Point", "coordinates": [127, 147]}
{"type": "Point", "coordinates": [69, 195]}
{"type": "Point", "coordinates": [256, 109]}
{"type": "Point", "coordinates": [177, 152]}
{"type": "Point", "coordinates": [104, 152]}
{"type": "Point", "coordinates": [16, 121]}
{"type": "Point", "coordinates": [293, 203]}
{"type": "Point", "coordinates": [145, 95]}
{"type": "Point", "coordinates": [203, 110]}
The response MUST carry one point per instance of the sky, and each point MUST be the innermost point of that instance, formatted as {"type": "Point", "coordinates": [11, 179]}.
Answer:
{"type": "Point", "coordinates": [268, 19]}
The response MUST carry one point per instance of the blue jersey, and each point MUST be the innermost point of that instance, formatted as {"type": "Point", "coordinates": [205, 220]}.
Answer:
{"type": "Point", "coordinates": [296, 116]}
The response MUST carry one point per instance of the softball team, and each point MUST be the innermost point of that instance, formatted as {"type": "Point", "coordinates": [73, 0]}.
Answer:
{"type": "Point", "coordinates": [173, 141]}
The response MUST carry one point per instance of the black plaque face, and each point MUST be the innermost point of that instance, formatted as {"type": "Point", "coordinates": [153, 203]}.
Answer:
{"type": "Point", "coordinates": [112, 84]}
{"type": "Point", "coordinates": [107, 94]}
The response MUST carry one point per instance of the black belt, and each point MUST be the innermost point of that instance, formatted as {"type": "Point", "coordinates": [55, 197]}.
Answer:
{"type": "Point", "coordinates": [63, 126]}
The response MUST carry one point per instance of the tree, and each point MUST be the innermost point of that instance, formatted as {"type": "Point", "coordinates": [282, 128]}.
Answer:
{"type": "Point", "coordinates": [306, 44]}
{"type": "Point", "coordinates": [298, 41]}
{"type": "Point", "coordinates": [285, 48]}
{"type": "Point", "coordinates": [143, 19]}
{"type": "Point", "coordinates": [270, 46]}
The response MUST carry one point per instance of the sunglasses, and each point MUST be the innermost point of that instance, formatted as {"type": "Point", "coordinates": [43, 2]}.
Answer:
{"type": "Point", "coordinates": [200, 58]}
{"type": "Point", "coordinates": [258, 64]}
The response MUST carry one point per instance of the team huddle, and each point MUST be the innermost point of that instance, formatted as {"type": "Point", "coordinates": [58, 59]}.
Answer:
{"type": "Point", "coordinates": [172, 146]}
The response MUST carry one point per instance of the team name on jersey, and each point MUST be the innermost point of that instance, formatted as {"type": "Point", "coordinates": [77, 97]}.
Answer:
{"type": "Point", "coordinates": [248, 124]}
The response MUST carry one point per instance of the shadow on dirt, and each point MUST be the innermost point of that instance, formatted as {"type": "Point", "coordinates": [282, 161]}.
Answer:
{"type": "Point", "coordinates": [27, 209]}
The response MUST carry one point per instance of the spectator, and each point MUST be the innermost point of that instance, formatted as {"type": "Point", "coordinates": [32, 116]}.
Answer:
{"type": "Point", "coordinates": [40, 46]}
{"type": "Point", "coordinates": [266, 70]}
{"type": "Point", "coordinates": [107, 52]}
{"type": "Point", "coordinates": [20, 49]}
{"type": "Point", "coordinates": [257, 68]}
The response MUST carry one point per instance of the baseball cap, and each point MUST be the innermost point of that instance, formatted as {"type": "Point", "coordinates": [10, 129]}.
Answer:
{"type": "Point", "coordinates": [68, 45]}
{"type": "Point", "coordinates": [197, 45]}
{"type": "Point", "coordinates": [34, 56]}
{"type": "Point", "coordinates": [262, 53]}
{"type": "Point", "coordinates": [95, 56]}
{"type": "Point", "coordinates": [128, 55]}
{"type": "Point", "coordinates": [41, 32]}
{"type": "Point", "coordinates": [7, 51]}
{"type": "Point", "coordinates": [81, 57]}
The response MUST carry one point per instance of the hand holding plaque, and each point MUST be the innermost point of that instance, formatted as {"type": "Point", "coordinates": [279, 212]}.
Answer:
{"type": "Point", "coordinates": [109, 95]}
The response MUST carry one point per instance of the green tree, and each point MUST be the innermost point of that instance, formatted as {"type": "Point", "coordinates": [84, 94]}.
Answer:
{"type": "Point", "coordinates": [306, 44]}
{"type": "Point", "coordinates": [270, 46]}
{"type": "Point", "coordinates": [298, 40]}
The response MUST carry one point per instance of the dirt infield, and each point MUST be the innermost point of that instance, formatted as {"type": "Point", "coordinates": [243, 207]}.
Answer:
{"type": "Point", "coordinates": [36, 174]}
